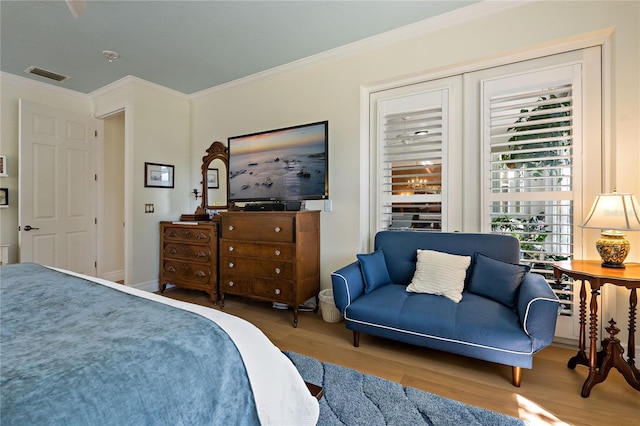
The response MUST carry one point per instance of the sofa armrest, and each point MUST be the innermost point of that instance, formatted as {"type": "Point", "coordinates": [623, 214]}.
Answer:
{"type": "Point", "coordinates": [538, 307]}
{"type": "Point", "coordinates": [348, 285]}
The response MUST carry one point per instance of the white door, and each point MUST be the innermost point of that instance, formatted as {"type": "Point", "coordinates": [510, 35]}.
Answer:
{"type": "Point", "coordinates": [57, 188]}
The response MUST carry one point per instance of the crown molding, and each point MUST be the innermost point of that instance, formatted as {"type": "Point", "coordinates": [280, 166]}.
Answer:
{"type": "Point", "coordinates": [40, 85]}
{"type": "Point", "coordinates": [128, 81]}
{"type": "Point", "coordinates": [437, 23]}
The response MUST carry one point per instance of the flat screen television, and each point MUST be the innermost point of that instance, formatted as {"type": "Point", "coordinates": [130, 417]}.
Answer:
{"type": "Point", "coordinates": [288, 164]}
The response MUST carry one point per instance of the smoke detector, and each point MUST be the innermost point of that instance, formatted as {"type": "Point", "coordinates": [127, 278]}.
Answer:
{"type": "Point", "coordinates": [110, 55]}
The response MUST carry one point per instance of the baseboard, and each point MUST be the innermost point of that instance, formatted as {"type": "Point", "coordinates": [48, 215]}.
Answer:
{"type": "Point", "coordinates": [114, 276]}
{"type": "Point", "coordinates": [150, 286]}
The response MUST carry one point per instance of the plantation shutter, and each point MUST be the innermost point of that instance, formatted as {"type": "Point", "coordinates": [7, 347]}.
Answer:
{"type": "Point", "coordinates": [532, 140]}
{"type": "Point", "coordinates": [411, 161]}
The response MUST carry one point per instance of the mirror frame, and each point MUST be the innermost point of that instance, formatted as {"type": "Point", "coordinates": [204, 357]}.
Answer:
{"type": "Point", "coordinates": [217, 151]}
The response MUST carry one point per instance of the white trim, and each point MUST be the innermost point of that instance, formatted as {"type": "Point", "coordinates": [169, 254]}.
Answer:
{"type": "Point", "coordinates": [443, 339]}
{"type": "Point", "coordinates": [130, 79]}
{"type": "Point", "coordinates": [41, 85]}
{"type": "Point", "coordinates": [582, 41]}
{"type": "Point", "coordinates": [526, 312]}
{"type": "Point", "coordinates": [437, 23]}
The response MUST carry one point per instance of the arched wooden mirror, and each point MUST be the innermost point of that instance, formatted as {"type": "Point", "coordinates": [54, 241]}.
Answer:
{"type": "Point", "coordinates": [214, 177]}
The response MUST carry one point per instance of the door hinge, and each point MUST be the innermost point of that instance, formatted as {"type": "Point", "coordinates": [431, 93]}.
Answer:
{"type": "Point", "coordinates": [95, 265]}
{"type": "Point", "coordinates": [95, 177]}
{"type": "Point", "coordinates": [95, 133]}
{"type": "Point", "coordinates": [95, 220]}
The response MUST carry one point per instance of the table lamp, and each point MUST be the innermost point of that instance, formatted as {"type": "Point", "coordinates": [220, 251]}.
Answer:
{"type": "Point", "coordinates": [613, 213]}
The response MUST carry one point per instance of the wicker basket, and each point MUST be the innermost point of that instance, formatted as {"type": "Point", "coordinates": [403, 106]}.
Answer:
{"type": "Point", "coordinates": [328, 307]}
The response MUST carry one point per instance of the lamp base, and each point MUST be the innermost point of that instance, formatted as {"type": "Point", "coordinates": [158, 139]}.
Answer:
{"type": "Point", "coordinates": [613, 248]}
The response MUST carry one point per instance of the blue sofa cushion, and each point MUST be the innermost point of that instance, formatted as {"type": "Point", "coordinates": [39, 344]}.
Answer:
{"type": "Point", "coordinates": [497, 280]}
{"type": "Point", "coordinates": [374, 270]}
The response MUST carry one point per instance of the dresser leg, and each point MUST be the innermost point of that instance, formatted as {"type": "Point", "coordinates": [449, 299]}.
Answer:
{"type": "Point", "coordinates": [295, 317]}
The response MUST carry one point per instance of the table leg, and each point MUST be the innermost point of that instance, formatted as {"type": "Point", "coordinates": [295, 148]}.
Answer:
{"type": "Point", "coordinates": [631, 346]}
{"type": "Point", "coordinates": [581, 356]}
{"type": "Point", "coordinates": [613, 358]}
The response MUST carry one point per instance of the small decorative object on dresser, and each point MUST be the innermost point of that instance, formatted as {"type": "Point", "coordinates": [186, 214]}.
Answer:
{"type": "Point", "coordinates": [188, 256]}
{"type": "Point", "coordinates": [271, 256]}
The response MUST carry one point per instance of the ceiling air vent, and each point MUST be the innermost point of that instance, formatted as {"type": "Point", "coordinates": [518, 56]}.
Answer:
{"type": "Point", "coordinates": [46, 74]}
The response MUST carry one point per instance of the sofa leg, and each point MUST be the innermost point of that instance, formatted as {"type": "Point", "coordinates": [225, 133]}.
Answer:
{"type": "Point", "coordinates": [517, 375]}
{"type": "Point", "coordinates": [356, 338]}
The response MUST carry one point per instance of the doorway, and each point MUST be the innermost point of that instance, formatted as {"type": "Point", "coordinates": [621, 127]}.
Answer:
{"type": "Point", "coordinates": [111, 265]}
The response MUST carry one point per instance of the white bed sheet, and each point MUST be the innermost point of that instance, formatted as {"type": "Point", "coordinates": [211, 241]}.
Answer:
{"type": "Point", "coordinates": [280, 394]}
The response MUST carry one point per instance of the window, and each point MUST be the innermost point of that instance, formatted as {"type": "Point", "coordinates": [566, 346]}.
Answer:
{"type": "Point", "coordinates": [411, 157]}
{"type": "Point", "coordinates": [533, 143]}
{"type": "Point", "coordinates": [506, 151]}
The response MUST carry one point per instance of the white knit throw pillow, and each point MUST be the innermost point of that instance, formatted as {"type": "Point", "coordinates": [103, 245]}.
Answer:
{"type": "Point", "coordinates": [440, 273]}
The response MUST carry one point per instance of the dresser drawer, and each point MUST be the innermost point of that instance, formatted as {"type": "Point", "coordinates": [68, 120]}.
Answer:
{"type": "Point", "coordinates": [258, 227]}
{"type": "Point", "coordinates": [264, 251]}
{"type": "Point", "coordinates": [264, 288]}
{"type": "Point", "coordinates": [194, 273]}
{"type": "Point", "coordinates": [257, 267]}
{"type": "Point", "coordinates": [193, 234]}
{"type": "Point", "coordinates": [188, 252]}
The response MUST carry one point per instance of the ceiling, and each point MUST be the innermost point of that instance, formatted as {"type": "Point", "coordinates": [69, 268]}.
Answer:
{"type": "Point", "coordinates": [188, 46]}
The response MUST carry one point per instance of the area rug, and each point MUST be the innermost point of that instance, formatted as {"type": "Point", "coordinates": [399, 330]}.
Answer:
{"type": "Point", "coordinates": [352, 398]}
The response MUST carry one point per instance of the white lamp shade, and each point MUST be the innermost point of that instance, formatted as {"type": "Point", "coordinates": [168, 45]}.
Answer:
{"type": "Point", "coordinates": [615, 211]}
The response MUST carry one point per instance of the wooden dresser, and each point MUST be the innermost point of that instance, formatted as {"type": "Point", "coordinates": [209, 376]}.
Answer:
{"type": "Point", "coordinates": [189, 256]}
{"type": "Point", "coordinates": [272, 256]}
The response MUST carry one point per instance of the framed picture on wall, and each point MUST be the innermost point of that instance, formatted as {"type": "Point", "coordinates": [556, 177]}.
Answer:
{"type": "Point", "coordinates": [213, 181]}
{"type": "Point", "coordinates": [158, 175]}
{"type": "Point", "coordinates": [4, 197]}
{"type": "Point", "coordinates": [3, 166]}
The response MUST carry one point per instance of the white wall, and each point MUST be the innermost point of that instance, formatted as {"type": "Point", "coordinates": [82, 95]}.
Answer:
{"type": "Point", "coordinates": [333, 91]}
{"type": "Point", "coordinates": [111, 255]}
{"type": "Point", "coordinates": [12, 89]}
{"type": "Point", "coordinates": [160, 123]}
{"type": "Point", "coordinates": [156, 131]}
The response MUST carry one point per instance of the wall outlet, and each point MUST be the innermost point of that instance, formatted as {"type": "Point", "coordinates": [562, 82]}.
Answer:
{"type": "Point", "coordinates": [328, 205]}
{"type": "Point", "coordinates": [148, 208]}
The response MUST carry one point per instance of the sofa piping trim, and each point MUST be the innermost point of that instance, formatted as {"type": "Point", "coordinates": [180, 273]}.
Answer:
{"type": "Point", "coordinates": [346, 288]}
{"type": "Point", "coordinates": [445, 339]}
{"type": "Point", "coordinates": [346, 317]}
{"type": "Point", "coordinates": [526, 314]}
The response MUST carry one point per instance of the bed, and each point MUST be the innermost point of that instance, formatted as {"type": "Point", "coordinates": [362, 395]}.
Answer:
{"type": "Point", "coordinates": [80, 350]}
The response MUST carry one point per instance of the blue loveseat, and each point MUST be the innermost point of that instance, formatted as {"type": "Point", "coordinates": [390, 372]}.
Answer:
{"type": "Point", "coordinates": [504, 313]}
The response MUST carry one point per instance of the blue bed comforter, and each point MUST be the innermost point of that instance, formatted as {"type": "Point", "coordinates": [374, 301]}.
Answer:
{"type": "Point", "coordinates": [73, 352]}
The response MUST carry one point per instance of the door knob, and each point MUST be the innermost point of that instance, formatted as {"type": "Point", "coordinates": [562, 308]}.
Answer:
{"type": "Point", "coordinates": [29, 228]}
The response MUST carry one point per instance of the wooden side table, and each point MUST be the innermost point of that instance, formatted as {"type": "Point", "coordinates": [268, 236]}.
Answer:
{"type": "Point", "coordinates": [611, 355]}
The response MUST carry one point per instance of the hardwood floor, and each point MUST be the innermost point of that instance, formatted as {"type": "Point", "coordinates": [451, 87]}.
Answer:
{"type": "Point", "coordinates": [549, 395]}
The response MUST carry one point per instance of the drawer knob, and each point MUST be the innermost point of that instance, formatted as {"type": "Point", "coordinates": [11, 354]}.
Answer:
{"type": "Point", "coordinates": [201, 254]}
{"type": "Point", "coordinates": [172, 250]}
{"type": "Point", "coordinates": [173, 234]}
{"type": "Point", "coordinates": [231, 248]}
{"type": "Point", "coordinates": [277, 291]}
{"type": "Point", "coordinates": [277, 252]}
{"type": "Point", "coordinates": [231, 283]}
{"type": "Point", "coordinates": [230, 227]}
{"type": "Point", "coordinates": [201, 236]}
{"type": "Point", "coordinates": [277, 270]}
{"type": "Point", "coordinates": [201, 274]}
{"type": "Point", "coordinates": [231, 265]}
{"type": "Point", "coordinates": [277, 229]}
{"type": "Point", "coordinates": [171, 269]}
